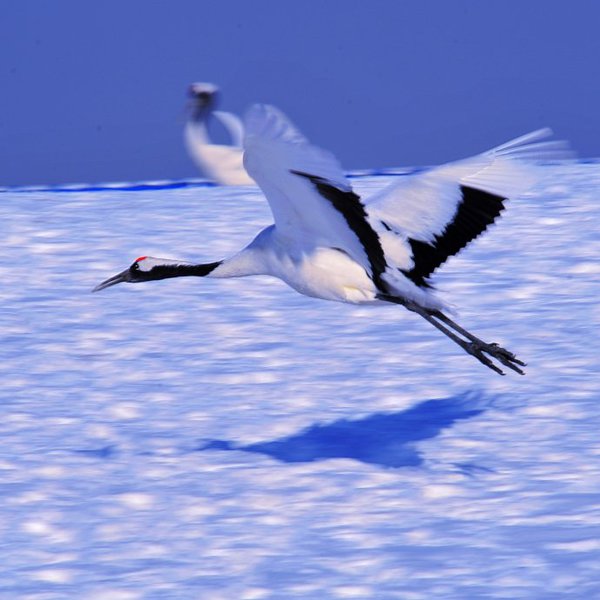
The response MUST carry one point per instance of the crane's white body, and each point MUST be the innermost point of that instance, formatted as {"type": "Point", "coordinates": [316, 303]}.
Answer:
{"type": "Point", "coordinates": [318, 271]}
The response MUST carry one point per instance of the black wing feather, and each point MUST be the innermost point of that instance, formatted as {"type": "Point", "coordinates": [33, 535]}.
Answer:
{"type": "Point", "coordinates": [476, 211]}
{"type": "Point", "coordinates": [352, 209]}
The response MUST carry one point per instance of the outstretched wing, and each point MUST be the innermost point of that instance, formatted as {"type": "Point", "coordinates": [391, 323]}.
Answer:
{"type": "Point", "coordinates": [425, 218]}
{"type": "Point", "coordinates": [310, 198]}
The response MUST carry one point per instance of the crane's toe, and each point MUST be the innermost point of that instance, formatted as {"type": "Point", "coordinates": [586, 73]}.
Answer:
{"type": "Point", "coordinates": [479, 350]}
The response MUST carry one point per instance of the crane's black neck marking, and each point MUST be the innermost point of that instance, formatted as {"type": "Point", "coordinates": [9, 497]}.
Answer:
{"type": "Point", "coordinates": [476, 211]}
{"type": "Point", "coordinates": [351, 208]}
{"type": "Point", "coordinates": [176, 270]}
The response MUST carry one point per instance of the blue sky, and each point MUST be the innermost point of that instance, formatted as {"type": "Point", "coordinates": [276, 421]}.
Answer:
{"type": "Point", "coordinates": [96, 91]}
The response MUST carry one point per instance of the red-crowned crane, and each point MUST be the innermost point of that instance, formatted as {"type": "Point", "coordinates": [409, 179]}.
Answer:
{"type": "Point", "coordinates": [328, 243]}
{"type": "Point", "coordinates": [219, 162]}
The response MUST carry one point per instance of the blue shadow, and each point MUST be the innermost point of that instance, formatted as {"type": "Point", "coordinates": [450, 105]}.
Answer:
{"type": "Point", "coordinates": [386, 439]}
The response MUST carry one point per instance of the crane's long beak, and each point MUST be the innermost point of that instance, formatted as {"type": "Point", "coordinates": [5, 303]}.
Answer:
{"type": "Point", "coordinates": [123, 276]}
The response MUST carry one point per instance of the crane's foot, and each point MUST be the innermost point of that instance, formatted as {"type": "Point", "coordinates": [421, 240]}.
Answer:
{"type": "Point", "coordinates": [480, 349]}
{"type": "Point", "coordinates": [483, 352]}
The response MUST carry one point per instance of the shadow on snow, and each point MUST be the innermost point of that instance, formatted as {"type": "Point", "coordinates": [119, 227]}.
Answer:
{"type": "Point", "coordinates": [387, 439]}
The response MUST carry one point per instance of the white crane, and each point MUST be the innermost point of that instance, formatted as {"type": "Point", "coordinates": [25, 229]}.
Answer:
{"type": "Point", "coordinates": [219, 162]}
{"type": "Point", "coordinates": [328, 243]}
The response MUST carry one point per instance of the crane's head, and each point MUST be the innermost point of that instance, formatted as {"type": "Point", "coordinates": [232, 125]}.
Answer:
{"type": "Point", "coordinates": [203, 99]}
{"type": "Point", "coordinates": [141, 270]}
{"type": "Point", "coordinates": [149, 268]}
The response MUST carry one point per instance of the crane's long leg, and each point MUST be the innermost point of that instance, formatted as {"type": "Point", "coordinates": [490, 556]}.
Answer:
{"type": "Point", "coordinates": [471, 344]}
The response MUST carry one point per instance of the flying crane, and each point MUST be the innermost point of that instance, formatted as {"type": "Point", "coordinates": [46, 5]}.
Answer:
{"type": "Point", "coordinates": [328, 243]}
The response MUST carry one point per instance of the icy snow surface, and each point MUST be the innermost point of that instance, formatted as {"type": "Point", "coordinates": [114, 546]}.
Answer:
{"type": "Point", "coordinates": [195, 439]}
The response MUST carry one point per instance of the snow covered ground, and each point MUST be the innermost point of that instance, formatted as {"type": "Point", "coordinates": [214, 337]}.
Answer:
{"type": "Point", "coordinates": [203, 439]}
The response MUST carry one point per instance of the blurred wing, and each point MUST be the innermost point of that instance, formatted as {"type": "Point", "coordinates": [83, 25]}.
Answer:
{"type": "Point", "coordinates": [218, 162]}
{"type": "Point", "coordinates": [425, 218]}
{"type": "Point", "coordinates": [310, 198]}
{"type": "Point", "coordinates": [233, 124]}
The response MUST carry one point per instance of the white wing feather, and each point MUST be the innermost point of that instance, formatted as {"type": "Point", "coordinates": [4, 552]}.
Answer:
{"type": "Point", "coordinates": [273, 148]}
{"type": "Point", "coordinates": [420, 206]}
{"type": "Point", "coordinates": [268, 130]}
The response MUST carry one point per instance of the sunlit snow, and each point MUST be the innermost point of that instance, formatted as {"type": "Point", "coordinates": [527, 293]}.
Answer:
{"type": "Point", "coordinates": [234, 440]}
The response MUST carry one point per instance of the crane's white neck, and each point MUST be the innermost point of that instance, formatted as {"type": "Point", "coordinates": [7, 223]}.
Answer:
{"type": "Point", "coordinates": [248, 261]}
